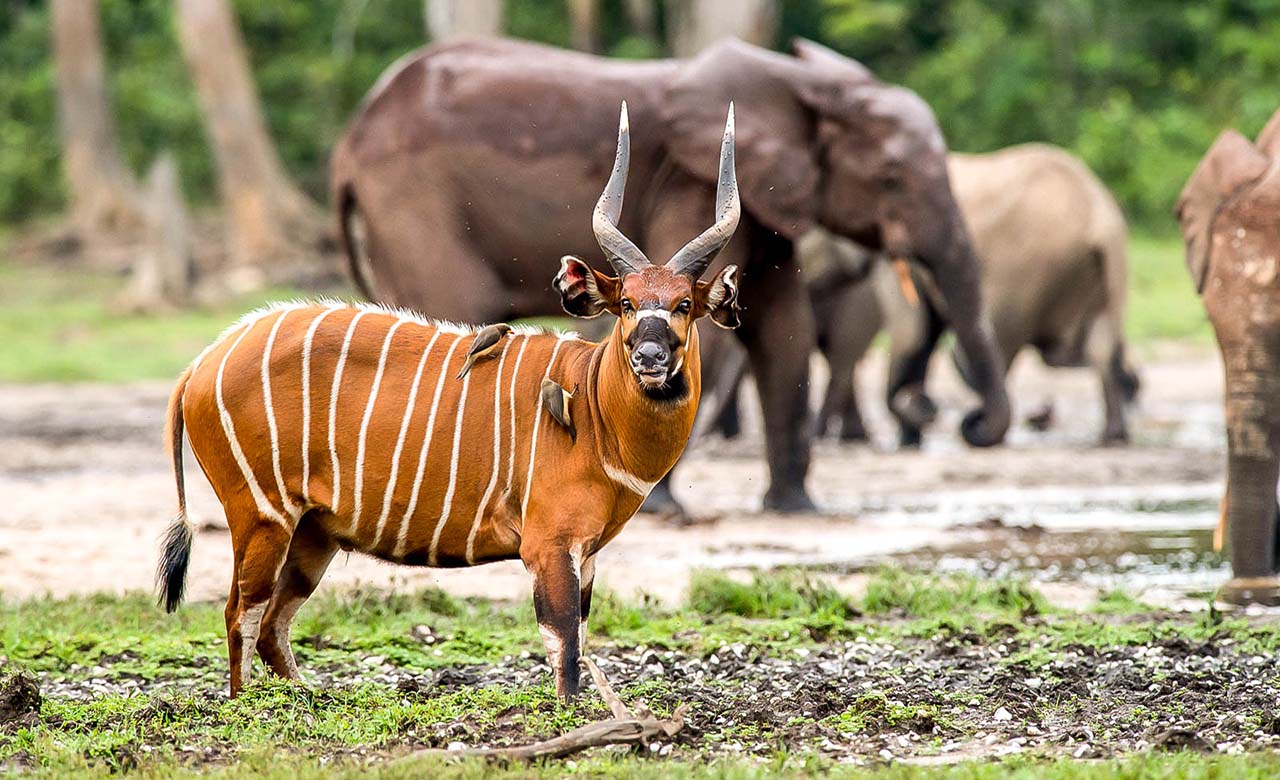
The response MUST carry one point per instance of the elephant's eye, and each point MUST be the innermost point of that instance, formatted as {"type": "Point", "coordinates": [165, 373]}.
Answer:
{"type": "Point", "coordinates": [685, 306]}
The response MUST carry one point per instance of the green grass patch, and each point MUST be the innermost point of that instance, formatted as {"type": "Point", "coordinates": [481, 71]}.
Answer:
{"type": "Point", "coordinates": [1163, 303]}
{"type": "Point", "coordinates": [895, 590]}
{"type": "Point", "coordinates": [59, 325]}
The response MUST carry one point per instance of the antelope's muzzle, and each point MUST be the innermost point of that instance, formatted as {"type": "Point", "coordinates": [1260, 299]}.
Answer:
{"type": "Point", "coordinates": [653, 351]}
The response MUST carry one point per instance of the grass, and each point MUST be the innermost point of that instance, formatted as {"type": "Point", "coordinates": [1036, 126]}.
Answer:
{"type": "Point", "coordinates": [157, 735]}
{"type": "Point", "coordinates": [59, 325]}
{"type": "Point", "coordinates": [1163, 304]}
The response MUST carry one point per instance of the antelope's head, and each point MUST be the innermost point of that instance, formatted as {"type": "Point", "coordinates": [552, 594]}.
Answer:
{"type": "Point", "coordinates": [657, 305]}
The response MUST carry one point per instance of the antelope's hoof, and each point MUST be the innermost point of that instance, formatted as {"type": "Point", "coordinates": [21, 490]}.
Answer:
{"type": "Point", "coordinates": [1251, 590]}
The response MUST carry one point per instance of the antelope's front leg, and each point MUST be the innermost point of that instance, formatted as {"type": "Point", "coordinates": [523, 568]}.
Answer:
{"type": "Point", "coordinates": [557, 602]}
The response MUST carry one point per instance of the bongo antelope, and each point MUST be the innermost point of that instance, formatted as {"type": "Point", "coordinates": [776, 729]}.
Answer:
{"type": "Point", "coordinates": [330, 426]}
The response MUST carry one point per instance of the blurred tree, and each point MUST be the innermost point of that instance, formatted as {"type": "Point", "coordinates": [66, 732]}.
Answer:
{"type": "Point", "coordinates": [584, 18]}
{"type": "Point", "coordinates": [643, 17]}
{"type": "Point", "coordinates": [269, 219]}
{"type": "Point", "coordinates": [694, 24]}
{"type": "Point", "coordinates": [104, 191]}
{"type": "Point", "coordinates": [449, 19]}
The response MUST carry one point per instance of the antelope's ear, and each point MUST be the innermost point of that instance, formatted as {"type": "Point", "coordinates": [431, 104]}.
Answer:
{"type": "Point", "coordinates": [584, 292]}
{"type": "Point", "coordinates": [718, 298]}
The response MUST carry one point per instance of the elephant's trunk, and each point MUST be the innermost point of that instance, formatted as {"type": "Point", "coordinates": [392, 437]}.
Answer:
{"type": "Point", "coordinates": [959, 283]}
{"type": "Point", "coordinates": [1252, 471]}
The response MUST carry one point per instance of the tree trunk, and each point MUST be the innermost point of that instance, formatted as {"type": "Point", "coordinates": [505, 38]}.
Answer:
{"type": "Point", "coordinates": [452, 19]}
{"type": "Point", "coordinates": [270, 221]}
{"type": "Point", "coordinates": [583, 19]}
{"type": "Point", "coordinates": [104, 194]}
{"type": "Point", "coordinates": [692, 25]}
{"type": "Point", "coordinates": [164, 270]}
{"type": "Point", "coordinates": [643, 16]}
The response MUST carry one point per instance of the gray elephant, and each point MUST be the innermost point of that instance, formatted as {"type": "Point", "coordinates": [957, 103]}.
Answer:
{"type": "Point", "coordinates": [1230, 217]}
{"type": "Point", "coordinates": [1051, 241]}
{"type": "Point", "coordinates": [471, 167]}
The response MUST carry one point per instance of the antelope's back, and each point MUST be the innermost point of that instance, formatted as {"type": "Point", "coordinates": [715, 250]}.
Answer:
{"type": "Point", "coordinates": [359, 410]}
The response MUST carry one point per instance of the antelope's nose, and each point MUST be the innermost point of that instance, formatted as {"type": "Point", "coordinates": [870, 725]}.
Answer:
{"type": "Point", "coordinates": [649, 354]}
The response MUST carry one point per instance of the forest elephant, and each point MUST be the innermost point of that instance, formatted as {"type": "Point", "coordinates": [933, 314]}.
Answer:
{"type": "Point", "coordinates": [1052, 243]}
{"type": "Point", "coordinates": [1230, 217]}
{"type": "Point", "coordinates": [471, 167]}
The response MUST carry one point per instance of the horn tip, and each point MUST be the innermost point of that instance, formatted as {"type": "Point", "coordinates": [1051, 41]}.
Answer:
{"type": "Point", "coordinates": [728, 123]}
{"type": "Point", "coordinates": [624, 124]}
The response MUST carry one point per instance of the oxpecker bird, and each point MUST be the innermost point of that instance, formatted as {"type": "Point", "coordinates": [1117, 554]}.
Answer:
{"type": "Point", "coordinates": [556, 399]}
{"type": "Point", "coordinates": [486, 343]}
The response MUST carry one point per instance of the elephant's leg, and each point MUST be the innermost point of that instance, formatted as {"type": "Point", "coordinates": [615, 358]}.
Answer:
{"type": "Point", "coordinates": [1253, 466]}
{"type": "Point", "coordinates": [1104, 352]}
{"type": "Point", "coordinates": [908, 366]}
{"type": "Point", "coordinates": [852, 325]}
{"type": "Point", "coordinates": [778, 332]}
{"type": "Point", "coordinates": [729, 421]}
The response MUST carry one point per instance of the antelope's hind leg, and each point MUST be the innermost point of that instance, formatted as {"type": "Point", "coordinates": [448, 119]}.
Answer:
{"type": "Point", "coordinates": [260, 546]}
{"type": "Point", "coordinates": [310, 552]}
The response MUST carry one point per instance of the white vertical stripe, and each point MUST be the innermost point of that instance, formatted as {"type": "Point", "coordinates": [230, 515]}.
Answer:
{"type": "Point", "coordinates": [228, 427]}
{"type": "Point", "coordinates": [533, 440]}
{"type": "Point", "coordinates": [290, 508]}
{"type": "Point", "coordinates": [511, 448]}
{"type": "Point", "coordinates": [399, 451]}
{"type": "Point", "coordinates": [403, 534]}
{"type": "Point", "coordinates": [497, 454]}
{"type": "Point", "coordinates": [306, 400]}
{"type": "Point", "coordinates": [447, 507]}
{"type": "Point", "coordinates": [333, 410]}
{"type": "Point", "coordinates": [364, 427]}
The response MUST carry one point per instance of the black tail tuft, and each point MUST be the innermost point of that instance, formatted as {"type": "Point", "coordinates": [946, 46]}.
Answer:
{"type": "Point", "coordinates": [175, 556]}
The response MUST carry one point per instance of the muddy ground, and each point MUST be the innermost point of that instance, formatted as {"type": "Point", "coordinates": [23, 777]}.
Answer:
{"type": "Point", "coordinates": [86, 490]}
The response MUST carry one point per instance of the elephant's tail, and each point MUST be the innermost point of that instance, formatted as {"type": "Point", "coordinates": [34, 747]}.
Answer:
{"type": "Point", "coordinates": [354, 233]}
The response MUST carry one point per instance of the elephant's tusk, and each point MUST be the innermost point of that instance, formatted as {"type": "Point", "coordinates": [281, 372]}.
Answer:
{"type": "Point", "coordinates": [1220, 532]}
{"type": "Point", "coordinates": [904, 281]}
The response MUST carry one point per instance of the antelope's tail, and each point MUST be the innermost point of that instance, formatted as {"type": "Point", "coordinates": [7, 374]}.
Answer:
{"type": "Point", "coordinates": [175, 546]}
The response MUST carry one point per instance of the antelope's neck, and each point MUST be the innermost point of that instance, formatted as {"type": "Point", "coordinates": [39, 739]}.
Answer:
{"type": "Point", "coordinates": [643, 435]}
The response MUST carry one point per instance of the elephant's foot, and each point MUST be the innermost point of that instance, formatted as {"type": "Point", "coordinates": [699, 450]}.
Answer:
{"type": "Point", "coordinates": [1114, 438]}
{"type": "Point", "coordinates": [1251, 590]}
{"type": "Point", "coordinates": [788, 500]}
{"type": "Point", "coordinates": [660, 501]}
{"type": "Point", "coordinates": [912, 407]}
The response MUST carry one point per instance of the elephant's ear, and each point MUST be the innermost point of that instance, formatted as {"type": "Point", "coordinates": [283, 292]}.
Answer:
{"type": "Point", "coordinates": [776, 155]}
{"type": "Point", "coordinates": [1230, 164]}
{"type": "Point", "coordinates": [1269, 138]}
{"type": "Point", "coordinates": [831, 62]}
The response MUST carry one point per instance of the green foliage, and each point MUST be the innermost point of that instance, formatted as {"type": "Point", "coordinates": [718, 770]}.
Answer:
{"type": "Point", "coordinates": [1139, 90]}
{"type": "Point", "coordinates": [894, 590]}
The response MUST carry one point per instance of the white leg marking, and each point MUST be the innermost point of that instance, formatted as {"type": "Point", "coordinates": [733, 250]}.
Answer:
{"type": "Point", "coordinates": [293, 510]}
{"type": "Point", "coordinates": [497, 453]}
{"type": "Point", "coordinates": [364, 428]}
{"type": "Point", "coordinates": [250, 626]}
{"type": "Point", "coordinates": [511, 445]}
{"type": "Point", "coordinates": [333, 409]}
{"type": "Point", "coordinates": [228, 427]}
{"type": "Point", "coordinates": [399, 451]}
{"type": "Point", "coordinates": [447, 507]}
{"type": "Point", "coordinates": [533, 443]}
{"type": "Point", "coordinates": [306, 400]}
{"type": "Point", "coordinates": [282, 631]}
{"type": "Point", "coordinates": [403, 535]}
{"type": "Point", "coordinates": [555, 648]}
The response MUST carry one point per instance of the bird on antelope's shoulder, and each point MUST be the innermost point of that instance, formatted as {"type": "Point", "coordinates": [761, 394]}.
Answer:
{"type": "Point", "coordinates": [485, 344]}
{"type": "Point", "coordinates": [556, 399]}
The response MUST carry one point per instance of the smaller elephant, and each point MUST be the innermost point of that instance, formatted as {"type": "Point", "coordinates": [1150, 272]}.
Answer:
{"type": "Point", "coordinates": [1230, 217]}
{"type": "Point", "coordinates": [1051, 242]}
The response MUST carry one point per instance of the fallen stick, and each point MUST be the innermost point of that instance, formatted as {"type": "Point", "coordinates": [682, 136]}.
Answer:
{"type": "Point", "coordinates": [625, 728]}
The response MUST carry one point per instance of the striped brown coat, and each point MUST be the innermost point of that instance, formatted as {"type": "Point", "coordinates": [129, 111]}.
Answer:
{"type": "Point", "coordinates": [327, 426]}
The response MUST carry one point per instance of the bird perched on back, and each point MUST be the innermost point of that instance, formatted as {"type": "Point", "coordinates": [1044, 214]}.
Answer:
{"type": "Point", "coordinates": [485, 344]}
{"type": "Point", "coordinates": [556, 399]}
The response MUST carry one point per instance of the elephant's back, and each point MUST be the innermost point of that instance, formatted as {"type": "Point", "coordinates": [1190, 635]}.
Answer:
{"type": "Point", "coordinates": [520, 99]}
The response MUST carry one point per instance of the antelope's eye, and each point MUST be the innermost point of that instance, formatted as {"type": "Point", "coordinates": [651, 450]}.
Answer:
{"type": "Point", "coordinates": [627, 306]}
{"type": "Point", "coordinates": [685, 306]}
